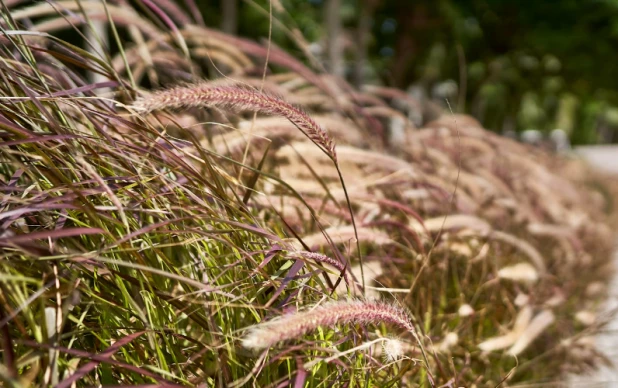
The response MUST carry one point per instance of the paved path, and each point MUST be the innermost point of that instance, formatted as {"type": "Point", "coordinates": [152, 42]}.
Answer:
{"type": "Point", "coordinates": [607, 342]}
{"type": "Point", "coordinates": [604, 158]}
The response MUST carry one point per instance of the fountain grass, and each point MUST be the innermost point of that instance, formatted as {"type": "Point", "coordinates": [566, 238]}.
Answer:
{"type": "Point", "coordinates": [142, 247]}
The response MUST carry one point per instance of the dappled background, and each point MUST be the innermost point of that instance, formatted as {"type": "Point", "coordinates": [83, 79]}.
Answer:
{"type": "Point", "coordinates": [514, 65]}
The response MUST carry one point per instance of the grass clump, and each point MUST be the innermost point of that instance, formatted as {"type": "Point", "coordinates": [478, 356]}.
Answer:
{"type": "Point", "coordinates": [145, 249]}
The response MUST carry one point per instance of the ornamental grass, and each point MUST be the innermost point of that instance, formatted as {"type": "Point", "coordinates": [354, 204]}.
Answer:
{"type": "Point", "coordinates": [182, 221]}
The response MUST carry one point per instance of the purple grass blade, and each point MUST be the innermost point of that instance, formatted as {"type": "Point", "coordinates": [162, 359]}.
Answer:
{"type": "Point", "coordinates": [161, 14]}
{"type": "Point", "coordinates": [195, 11]}
{"type": "Point", "coordinates": [39, 139]}
{"type": "Point", "coordinates": [107, 353]}
{"type": "Point", "coordinates": [85, 88]}
{"type": "Point", "coordinates": [40, 107]}
{"type": "Point", "coordinates": [11, 185]}
{"type": "Point", "coordinates": [301, 374]}
{"type": "Point", "coordinates": [298, 264]}
{"type": "Point", "coordinates": [269, 256]}
{"type": "Point", "coordinates": [7, 124]}
{"type": "Point", "coordinates": [96, 357]}
{"type": "Point", "coordinates": [7, 348]}
{"type": "Point", "coordinates": [52, 234]}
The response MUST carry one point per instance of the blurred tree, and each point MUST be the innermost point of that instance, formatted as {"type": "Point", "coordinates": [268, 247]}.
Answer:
{"type": "Point", "coordinates": [365, 21]}
{"type": "Point", "coordinates": [333, 37]}
{"type": "Point", "coordinates": [229, 16]}
{"type": "Point", "coordinates": [517, 65]}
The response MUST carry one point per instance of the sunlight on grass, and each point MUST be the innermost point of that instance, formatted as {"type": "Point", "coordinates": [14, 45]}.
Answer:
{"type": "Point", "coordinates": [143, 246]}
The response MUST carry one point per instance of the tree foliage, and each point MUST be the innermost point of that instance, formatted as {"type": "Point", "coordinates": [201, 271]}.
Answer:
{"type": "Point", "coordinates": [526, 65]}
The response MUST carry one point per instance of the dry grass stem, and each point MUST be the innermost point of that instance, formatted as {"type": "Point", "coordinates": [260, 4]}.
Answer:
{"type": "Point", "coordinates": [538, 324]}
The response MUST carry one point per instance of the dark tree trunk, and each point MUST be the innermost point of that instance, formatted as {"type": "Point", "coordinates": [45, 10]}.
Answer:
{"type": "Point", "coordinates": [333, 29]}
{"type": "Point", "coordinates": [230, 16]}
{"type": "Point", "coordinates": [364, 34]}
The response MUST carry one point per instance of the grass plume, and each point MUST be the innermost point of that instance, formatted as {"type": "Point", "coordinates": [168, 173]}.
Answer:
{"type": "Point", "coordinates": [294, 326]}
{"type": "Point", "coordinates": [237, 99]}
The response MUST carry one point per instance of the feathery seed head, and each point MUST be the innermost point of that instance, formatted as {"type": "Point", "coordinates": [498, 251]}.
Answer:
{"type": "Point", "coordinates": [465, 310]}
{"type": "Point", "coordinates": [237, 99]}
{"type": "Point", "coordinates": [296, 325]}
{"type": "Point", "coordinates": [521, 272]}
{"type": "Point", "coordinates": [393, 349]}
{"type": "Point", "coordinates": [318, 257]}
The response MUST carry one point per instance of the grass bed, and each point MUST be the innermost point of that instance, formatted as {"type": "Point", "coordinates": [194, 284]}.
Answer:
{"type": "Point", "coordinates": [144, 235]}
